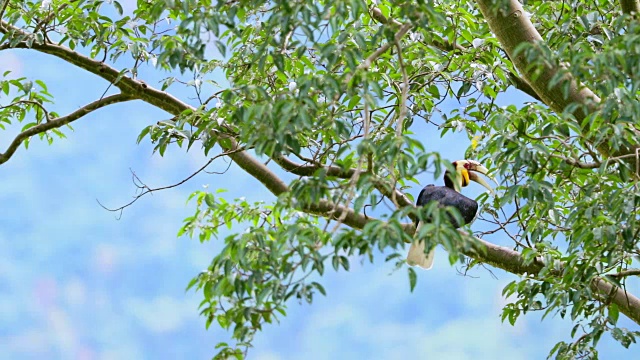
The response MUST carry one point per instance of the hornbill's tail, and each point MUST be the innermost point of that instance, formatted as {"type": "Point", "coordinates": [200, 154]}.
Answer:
{"type": "Point", "coordinates": [417, 257]}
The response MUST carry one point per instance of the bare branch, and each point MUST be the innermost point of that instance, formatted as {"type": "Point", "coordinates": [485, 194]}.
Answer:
{"type": "Point", "coordinates": [147, 190]}
{"type": "Point", "coordinates": [61, 121]}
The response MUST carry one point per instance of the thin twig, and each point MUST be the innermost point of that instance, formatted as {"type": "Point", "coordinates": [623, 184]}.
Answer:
{"type": "Point", "coordinates": [149, 190]}
{"type": "Point", "coordinates": [366, 64]}
{"type": "Point", "coordinates": [4, 7]}
{"type": "Point", "coordinates": [404, 93]}
{"type": "Point", "coordinates": [353, 183]}
{"type": "Point", "coordinates": [34, 103]}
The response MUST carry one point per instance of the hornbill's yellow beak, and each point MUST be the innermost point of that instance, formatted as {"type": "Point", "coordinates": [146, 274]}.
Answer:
{"type": "Point", "coordinates": [467, 171]}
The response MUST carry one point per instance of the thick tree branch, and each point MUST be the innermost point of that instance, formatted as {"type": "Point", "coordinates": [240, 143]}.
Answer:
{"type": "Point", "coordinates": [630, 7]}
{"type": "Point", "coordinates": [497, 256]}
{"type": "Point", "coordinates": [257, 169]}
{"type": "Point", "coordinates": [512, 27]}
{"type": "Point", "coordinates": [626, 302]}
{"type": "Point", "coordinates": [61, 121]}
{"type": "Point", "coordinates": [511, 261]}
{"type": "Point", "coordinates": [523, 86]}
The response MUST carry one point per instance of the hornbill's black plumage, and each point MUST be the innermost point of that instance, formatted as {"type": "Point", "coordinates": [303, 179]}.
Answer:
{"type": "Point", "coordinates": [448, 195]}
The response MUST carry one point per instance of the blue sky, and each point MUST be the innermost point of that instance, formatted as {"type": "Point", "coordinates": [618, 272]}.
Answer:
{"type": "Point", "coordinates": [77, 283]}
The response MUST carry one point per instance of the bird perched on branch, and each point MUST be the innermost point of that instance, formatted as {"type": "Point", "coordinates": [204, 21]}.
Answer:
{"type": "Point", "coordinates": [448, 195]}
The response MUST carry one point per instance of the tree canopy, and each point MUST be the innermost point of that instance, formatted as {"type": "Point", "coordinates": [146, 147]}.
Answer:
{"type": "Point", "coordinates": [326, 104]}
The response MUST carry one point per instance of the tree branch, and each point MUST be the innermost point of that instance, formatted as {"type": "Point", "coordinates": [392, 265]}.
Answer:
{"type": "Point", "coordinates": [513, 262]}
{"type": "Point", "coordinates": [523, 86]}
{"type": "Point", "coordinates": [310, 169]}
{"type": "Point", "coordinates": [257, 169]}
{"type": "Point", "coordinates": [366, 64]}
{"type": "Point", "coordinates": [3, 7]}
{"type": "Point", "coordinates": [512, 27]}
{"type": "Point", "coordinates": [579, 164]}
{"type": "Point", "coordinates": [630, 7]}
{"type": "Point", "coordinates": [625, 273]}
{"type": "Point", "coordinates": [61, 121]}
{"type": "Point", "coordinates": [147, 190]}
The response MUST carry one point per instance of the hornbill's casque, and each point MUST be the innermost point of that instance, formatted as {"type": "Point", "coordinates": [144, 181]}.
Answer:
{"type": "Point", "coordinates": [448, 195]}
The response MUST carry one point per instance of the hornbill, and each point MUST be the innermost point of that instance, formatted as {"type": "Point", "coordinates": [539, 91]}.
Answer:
{"type": "Point", "coordinates": [448, 195]}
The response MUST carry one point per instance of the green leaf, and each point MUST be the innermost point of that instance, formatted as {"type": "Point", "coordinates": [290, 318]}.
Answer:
{"type": "Point", "coordinates": [614, 313]}
{"type": "Point", "coordinates": [118, 7]}
{"type": "Point", "coordinates": [192, 283]}
{"type": "Point", "coordinates": [28, 126]}
{"type": "Point", "coordinates": [413, 278]}
{"type": "Point", "coordinates": [319, 287]}
{"type": "Point", "coordinates": [143, 133]}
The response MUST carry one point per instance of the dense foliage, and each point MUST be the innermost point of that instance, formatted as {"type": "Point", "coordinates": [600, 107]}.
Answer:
{"type": "Point", "coordinates": [336, 96]}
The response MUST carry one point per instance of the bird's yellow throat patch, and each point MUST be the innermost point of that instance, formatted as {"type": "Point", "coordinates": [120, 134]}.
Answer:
{"type": "Point", "coordinates": [463, 174]}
